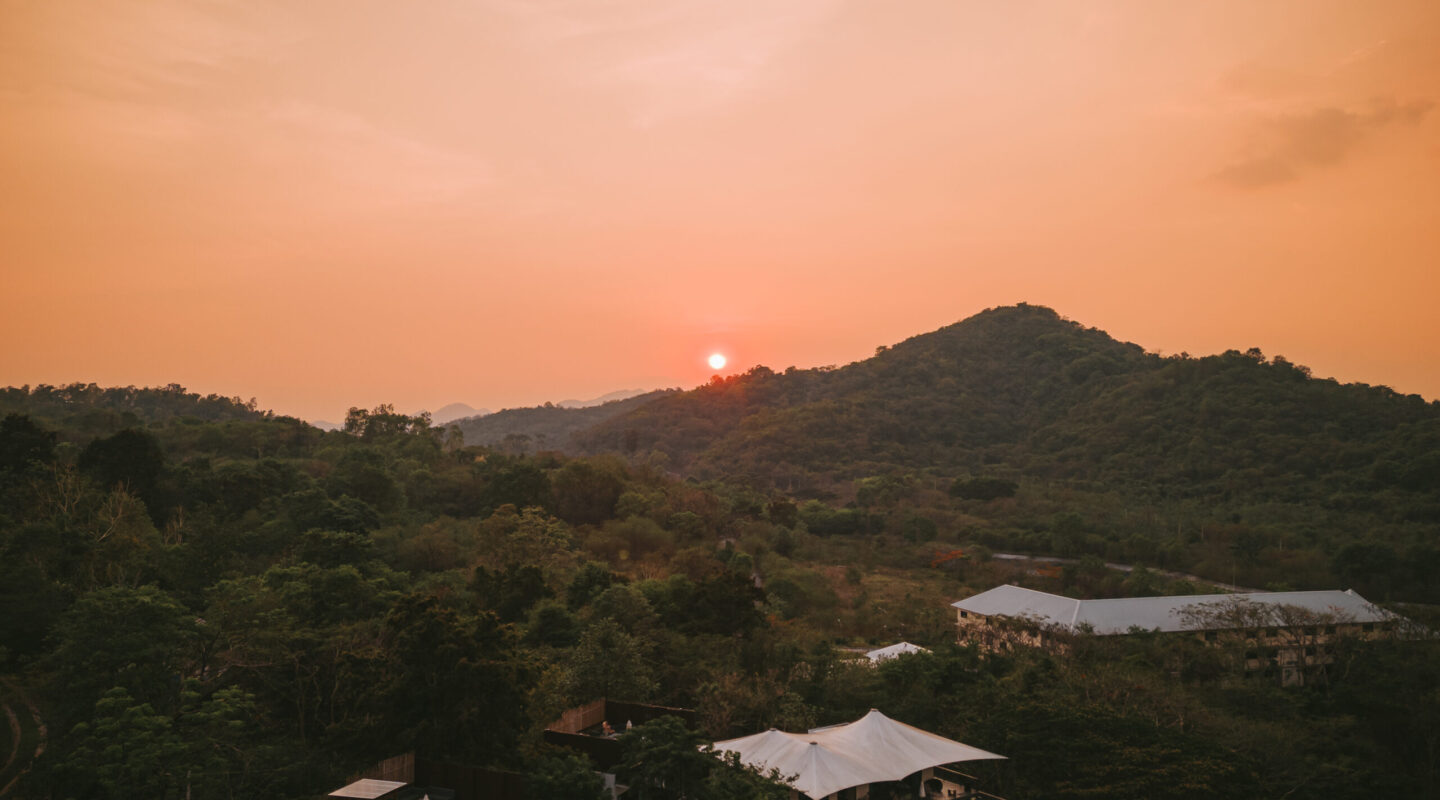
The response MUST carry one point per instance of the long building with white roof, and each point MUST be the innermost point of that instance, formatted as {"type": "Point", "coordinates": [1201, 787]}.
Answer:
{"type": "Point", "coordinates": [1291, 630]}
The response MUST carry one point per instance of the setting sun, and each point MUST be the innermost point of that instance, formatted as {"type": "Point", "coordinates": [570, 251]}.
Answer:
{"type": "Point", "coordinates": [716, 361]}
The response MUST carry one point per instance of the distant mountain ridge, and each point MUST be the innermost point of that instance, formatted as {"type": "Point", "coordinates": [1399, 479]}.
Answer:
{"type": "Point", "coordinates": [619, 394]}
{"type": "Point", "coordinates": [547, 427]}
{"type": "Point", "coordinates": [454, 411]}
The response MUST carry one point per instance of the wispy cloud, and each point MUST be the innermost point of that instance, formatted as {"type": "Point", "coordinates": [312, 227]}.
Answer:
{"type": "Point", "coordinates": [675, 58]}
{"type": "Point", "coordinates": [1289, 145]}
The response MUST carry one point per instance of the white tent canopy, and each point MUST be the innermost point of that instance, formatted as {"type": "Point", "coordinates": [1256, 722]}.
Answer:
{"type": "Point", "coordinates": [871, 749]}
{"type": "Point", "coordinates": [894, 651]}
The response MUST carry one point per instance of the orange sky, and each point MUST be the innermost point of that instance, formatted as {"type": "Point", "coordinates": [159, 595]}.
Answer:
{"type": "Point", "coordinates": [503, 202]}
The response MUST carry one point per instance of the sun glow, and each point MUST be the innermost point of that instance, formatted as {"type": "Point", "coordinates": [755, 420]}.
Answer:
{"type": "Point", "coordinates": [716, 361]}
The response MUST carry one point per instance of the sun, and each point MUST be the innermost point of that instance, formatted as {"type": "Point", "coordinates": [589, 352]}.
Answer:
{"type": "Point", "coordinates": [716, 361]}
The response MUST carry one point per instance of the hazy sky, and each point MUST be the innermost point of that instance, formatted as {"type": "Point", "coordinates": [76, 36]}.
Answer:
{"type": "Point", "coordinates": [502, 202]}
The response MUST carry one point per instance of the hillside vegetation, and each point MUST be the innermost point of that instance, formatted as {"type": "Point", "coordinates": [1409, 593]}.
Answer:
{"type": "Point", "coordinates": [1240, 466]}
{"type": "Point", "coordinates": [209, 600]}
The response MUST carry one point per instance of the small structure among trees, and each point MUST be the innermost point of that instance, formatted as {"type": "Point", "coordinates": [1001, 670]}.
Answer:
{"type": "Point", "coordinates": [1291, 633]}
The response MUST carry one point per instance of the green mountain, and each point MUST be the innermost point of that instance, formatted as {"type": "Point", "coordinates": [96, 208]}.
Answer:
{"type": "Point", "coordinates": [1022, 391]}
{"type": "Point", "coordinates": [90, 409]}
{"type": "Point", "coordinates": [1021, 430]}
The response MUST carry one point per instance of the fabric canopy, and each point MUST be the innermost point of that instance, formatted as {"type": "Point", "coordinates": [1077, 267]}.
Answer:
{"type": "Point", "coordinates": [871, 749]}
{"type": "Point", "coordinates": [894, 651]}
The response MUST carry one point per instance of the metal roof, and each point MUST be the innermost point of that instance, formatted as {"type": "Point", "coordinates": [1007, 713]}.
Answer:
{"type": "Point", "coordinates": [1121, 615]}
{"type": "Point", "coordinates": [1015, 601]}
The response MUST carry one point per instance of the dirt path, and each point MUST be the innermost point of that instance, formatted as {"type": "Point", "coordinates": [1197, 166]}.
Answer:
{"type": "Point", "coordinates": [14, 740]}
{"type": "Point", "coordinates": [24, 719]}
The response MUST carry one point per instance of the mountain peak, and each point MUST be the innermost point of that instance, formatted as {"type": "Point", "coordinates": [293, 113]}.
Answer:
{"type": "Point", "coordinates": [455, 411]}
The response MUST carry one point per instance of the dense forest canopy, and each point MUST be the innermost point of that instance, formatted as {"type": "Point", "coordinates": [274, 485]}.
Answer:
{"type": "Point", "coordinates": [204, 598]}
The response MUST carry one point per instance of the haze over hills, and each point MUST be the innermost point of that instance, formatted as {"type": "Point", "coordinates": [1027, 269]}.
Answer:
{"type": "Point", "coordinates": [547, 427]}
{"type": "Point", "coordinates": [460, 411]}
{"type": "Point", "coordinates": [454, 411]}
{"type": "Point", "coordinates": [619, 394]}
{"type": "Point", "coordinates": [445, 415]}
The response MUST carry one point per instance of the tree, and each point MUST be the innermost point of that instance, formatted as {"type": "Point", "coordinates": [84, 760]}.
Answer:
{"type": "Point", "coordinates": [983, 488]}
{"type": "Point", "coordinates": [362, 473]}
{"type": "Point", "coordinates": [333, 548]}
{"type": "Point", "coordinates": [552, 624]}
{"type": "Point", "coordinates": [513, 481]}
{"type": "Point", "coordinates": [137, 640]}
{"type": "Point", "coordinates": [23, 445]}
{"type": "Point", "coordinates": [124, 750]}
{"type": "Point", "coordinates": [122, 541]}
{"type": "Point", "coordinates": [565, 777]}
{"type": "Point", "coordinates": [509, 592]}
{"type": "Point", "coordinates": [452, 687]}
{"type": "Point", "coordinates": [608, 662]}
{"type": "Point", "coordinates": [663, 760]}
{"type": "Point", "coordinates": [590, 580]}
{"type": "Point", "coordinates": [1370, 566]}
{"type": "Point", "coordinates": [584, 493]}
{"type": "Point", "coordinates": [527, 537]}
{"type": "Point", "coordinates": [729, 779]}
{"type": "Point", "coordinates": [228, 744]}
{"type": "Point", "coordinates": [131, 459]}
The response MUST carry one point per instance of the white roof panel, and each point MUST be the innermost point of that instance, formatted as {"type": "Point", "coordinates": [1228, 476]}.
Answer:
{"type": "Point", "coordinates": [1014, 601]}
{"type": "Point", "coordinates": [897, 649]}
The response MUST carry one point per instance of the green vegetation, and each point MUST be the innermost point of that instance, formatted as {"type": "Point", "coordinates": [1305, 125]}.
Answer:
{"type": "Point", "coordinates": [210, 599]}
{"type": "Point", "coordinates": [1026, 432]}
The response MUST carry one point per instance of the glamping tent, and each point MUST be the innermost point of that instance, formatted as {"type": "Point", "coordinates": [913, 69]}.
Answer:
{"type": "Point", "coordinates": [872, 749]}
{"type": "Point", "coordinates": [894, 651]}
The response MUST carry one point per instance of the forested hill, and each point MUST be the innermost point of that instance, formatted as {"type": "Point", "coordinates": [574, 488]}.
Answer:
{"type": "Point", "coordinates": [1020, 392]}
{"type": "Point", "coordinates": [92, 409]}
{"type": "Point", "coordinates": [547, 427]}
